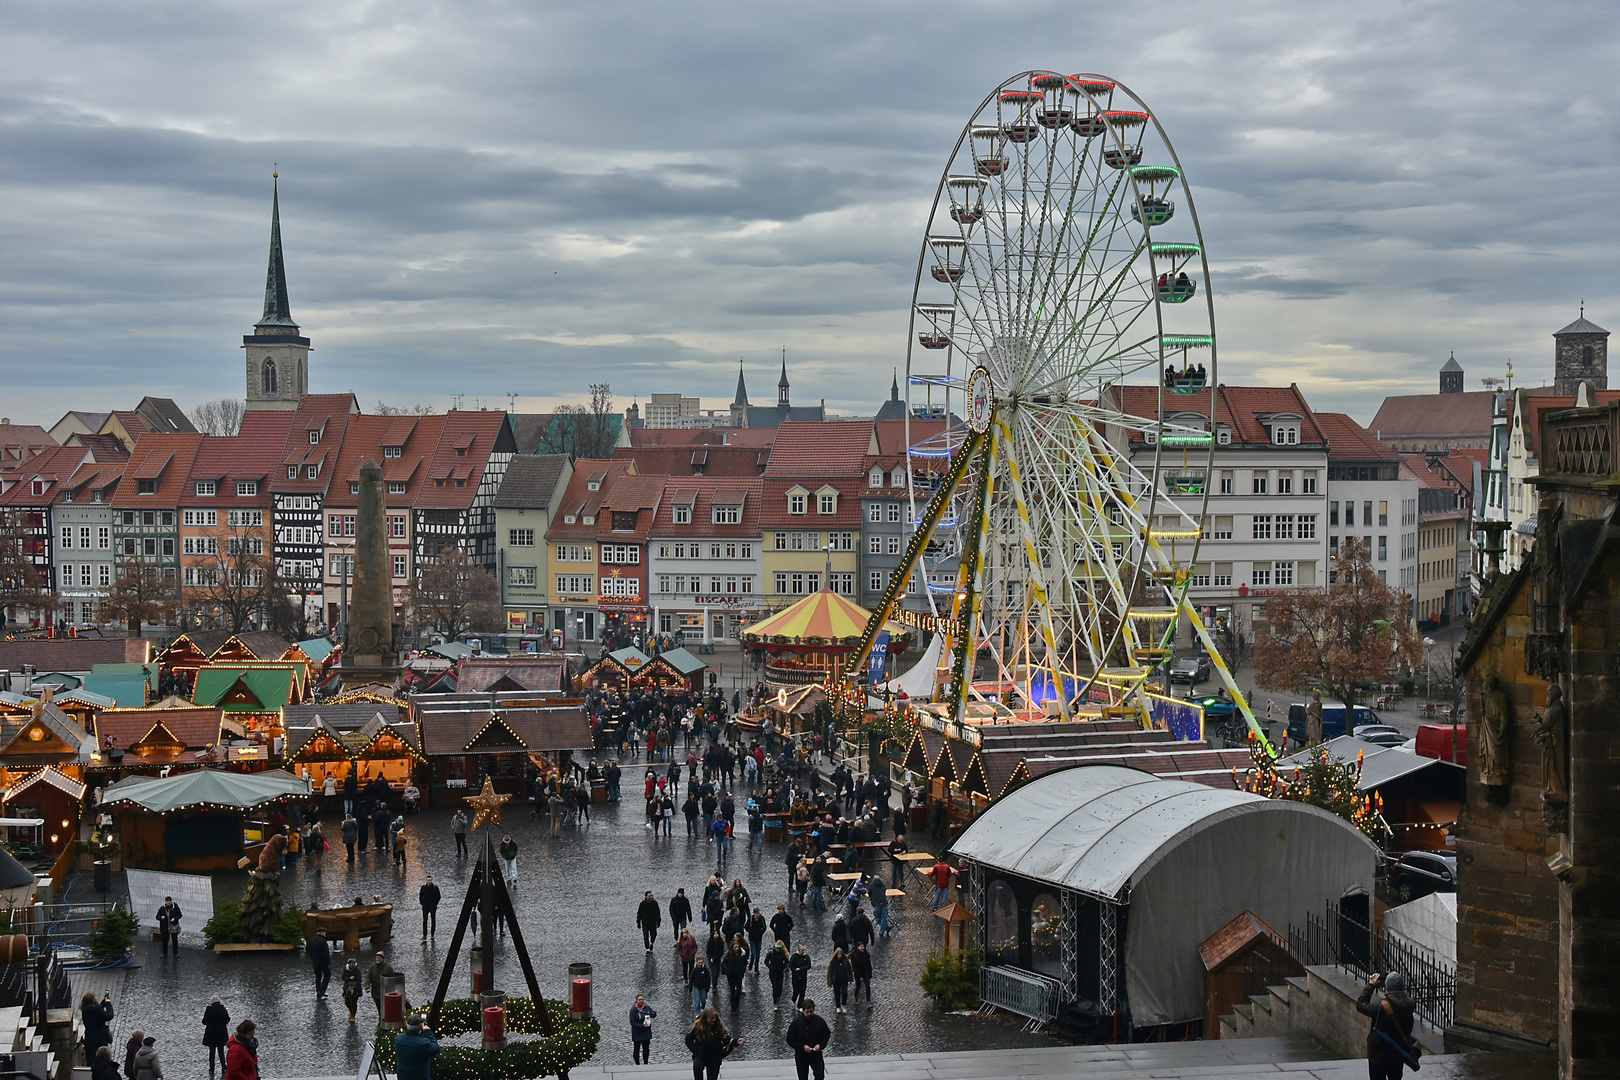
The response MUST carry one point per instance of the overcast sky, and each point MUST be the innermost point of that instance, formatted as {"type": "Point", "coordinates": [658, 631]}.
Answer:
{"type": "Point", "coordinates": [489, 197]}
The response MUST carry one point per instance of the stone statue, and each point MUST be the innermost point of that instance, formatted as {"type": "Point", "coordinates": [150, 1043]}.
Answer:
{"type": "Point", "coordinates": [1313, 719]}
{"type": "Point", "coordinates": [1552, 735]}
{"type": "Point", "coordinates": [1495, 765]}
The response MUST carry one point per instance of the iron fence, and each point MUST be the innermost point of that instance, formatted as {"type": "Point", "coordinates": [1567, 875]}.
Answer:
{"type": "Point", "coordinates": [1339, 940]}
{"type": "Point", "coordinates": [1018, 991]}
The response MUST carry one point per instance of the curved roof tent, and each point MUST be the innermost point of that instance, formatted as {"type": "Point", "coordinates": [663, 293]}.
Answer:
{"type": "Point", "coordinates": [1185, 857]}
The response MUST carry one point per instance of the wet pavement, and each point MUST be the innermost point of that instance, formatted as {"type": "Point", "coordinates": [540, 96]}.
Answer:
{"type": "Point", "coordinates": [576, 899]}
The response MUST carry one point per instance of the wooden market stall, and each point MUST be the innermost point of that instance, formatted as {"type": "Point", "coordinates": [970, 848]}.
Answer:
{"type": "Point", "coordinates": [616, 671]}
{"type": "Point", "coordinates": [200, 820]}
{"type": "Point", "coordinates": [372, 739]}
{"type": "Point", "coordinates": [251, 696]}
{"type": "Point", "coordinates": [465, 741]}
{"type": "Point", "coordinates": [51, 795]}
{"type": "Point", "coordinates": [153, 739]}
{"type": "Point", "coordinates": [677, 669]}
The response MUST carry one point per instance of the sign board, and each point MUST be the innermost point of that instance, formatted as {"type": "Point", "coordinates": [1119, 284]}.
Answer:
{"type": "Point", "coordinates": [879, 659]}
{"type": "Point", "coordinates": [979, 399]}
{"type": "Point", "coordinates": [193, 892]}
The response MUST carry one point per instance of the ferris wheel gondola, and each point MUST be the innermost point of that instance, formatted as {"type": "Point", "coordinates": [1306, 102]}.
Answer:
{"type": "Point", "coordinates": [1062, 561]}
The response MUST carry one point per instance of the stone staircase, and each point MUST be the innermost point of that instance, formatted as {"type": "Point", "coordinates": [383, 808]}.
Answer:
{"type": "Point", "coordinates": [1320, 1004]}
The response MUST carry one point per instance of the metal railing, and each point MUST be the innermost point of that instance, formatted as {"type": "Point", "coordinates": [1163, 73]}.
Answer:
{"type": "Point", "coordinates": [1022, 992]}
{"type": "Point", "coordinates": [1338, 940]}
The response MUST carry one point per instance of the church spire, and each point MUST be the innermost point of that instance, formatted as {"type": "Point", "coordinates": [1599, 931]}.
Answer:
{"type": "Point", "coordinates": [277, 308]}
{"type": "Point", "coordinates": [782, 384]}
{"type": "Point", "coordinates": [741, 399]}
{"type": "Point", "coordinates": [894, 386]}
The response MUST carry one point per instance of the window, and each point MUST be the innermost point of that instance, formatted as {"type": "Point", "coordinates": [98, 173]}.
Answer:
{"type": "Point", "coordinates": [206, 487]}
{"type": "Point", "coordinates": [827, 503]}
{"type": "Point", "coordinates": [842, 583]}
{"type": "Point", "coordinates": [874, 512]}
{"type": "Point", "coordinates": [780, 541]}
{"type": "Point", "coordinates": [621, 554]}
{"type": "Point", "coordinates": [573, 584]}
{"type": "Point", "coordinates": [714, 551]}
{"type": "Point", "coordinates": [796, 503]}
{"type": "Point", "coordinates": [67, 576]}
{"type": "Point", "coordinates": [894, 513]}
{"type": "Point", "coordinates": [104, 537]}
{"type": "Point", "coordinates": [1333, 512]}
{"type": "Point", "coordinates": [897, 477]}
{"type": "Point", "coordinates": [1261, 574]}
{"type": "Point", "coordinates": [1282, 573]}
{"type": "Point", "coordinates": [841, 541]}
{"type": "Point", "coordinates": [292, 472]}
{"type": "Point", "coordinates": [1223, 437]}
{"type": "Point", "coordinates": [245, 518]}
{"type": "Point", "coordinates": [1285, 434]}
{"type": "Point", "coordinates": [1285, 526]}
{"type": "Point", "coordinates": [1349, 512]}
{"type": "Point", "coordinates": [520, 575]}
{"type": "Point", "coordinates": [201, 545]}
{"type": "Point", "coordinates": [315, 436]}
{"type": "Point", "coordinates": [146, 487]}
{"type": "Point", "coordinates": [1383, 513]}
{"type": "Point", "coordinates": [1383, 549]}
{"type": "Point", "coordinates": [874, 581]}
{"type": "Point", "coordinates": [354, 487]}
{"type": "Point", "coordinates": [894, 545]}
{"type": "Point", "coordinates": [393, 452]}
{"type": "Point", "coordinates": [1307, 483]}
{"type": "Point", "coordinates": [1001, 924]}
{"type": "Point", "coordinates": [621, 587]}
{"type": "Point", "coordinates": [520, 538]}
{"type": "Point", "coordinates": [1307, 526]}
{"type": "Point", "coordinates": [1366, 516]}
{"type": "Point", "coordinates": [1226, 481]}
{"type": "Point", "coordinates": [726, 515]}
{"type": "Point", "coordinates": [200, 517]}
{"type": "Point", "coordinates": [312, 472]}
{"type": "Point", "coordinates": [104, 574]}
{"type": "Point", "coordinates": [683, 515]}
{"type": "Point", "coordinates": [875, 477]}
{"type": "Point", "coordinates": [1262, 526]}
{"type": "Point", "coordinates": [396, 526]}
{"type": "Point", "coordinates": [874, 545]}
{"type": "Point", "coordinates": [1259, 483]}
{"type": "Point", "coordinates": [1223, 528]}
{"type": "Point", "coordinates": [781, 582]}
{"type": "Point", "coordinates": [348, 524]}
{"type": "Point", "coordinates": [67, 536]}
{"type": "Point", "coordinates": [84, 537]}
{"type": "Point", "coordinates": [1285, 485]}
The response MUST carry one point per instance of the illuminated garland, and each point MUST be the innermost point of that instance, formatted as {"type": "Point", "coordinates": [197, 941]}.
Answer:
{"type": "Point", "coordinates": [572, 1045]}
{"type": "Point", "coordinates": [1325, 782]}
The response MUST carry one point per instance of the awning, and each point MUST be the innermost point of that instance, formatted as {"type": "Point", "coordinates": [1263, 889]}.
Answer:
{"type": "Point", "coordinates": [211, 789]}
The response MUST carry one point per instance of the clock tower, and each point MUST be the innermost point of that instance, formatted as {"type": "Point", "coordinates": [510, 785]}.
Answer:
{"type": "Point", "coordinates": [277, 357]}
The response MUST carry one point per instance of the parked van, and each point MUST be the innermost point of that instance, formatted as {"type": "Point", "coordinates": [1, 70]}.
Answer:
{"type": "Point", "coordinates": [1332, 721]}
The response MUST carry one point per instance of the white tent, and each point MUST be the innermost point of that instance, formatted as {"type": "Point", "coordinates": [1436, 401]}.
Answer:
{"type": "Point", "coordinates": [1184, 857]}
{"type": "Point", "coordinates": [918, 681]}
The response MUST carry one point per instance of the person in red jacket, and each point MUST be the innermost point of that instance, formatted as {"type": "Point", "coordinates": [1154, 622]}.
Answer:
{"type": "Point", "coordinates": [242, 1053]}
{"type": "Point", "coordinates": [941, 875]}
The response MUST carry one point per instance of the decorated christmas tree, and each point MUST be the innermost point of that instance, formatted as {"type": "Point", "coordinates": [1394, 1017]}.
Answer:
{"type": "Point", "coordinates": [261, 904]}
{"type": "Point", "coordinates": [1322, 780]}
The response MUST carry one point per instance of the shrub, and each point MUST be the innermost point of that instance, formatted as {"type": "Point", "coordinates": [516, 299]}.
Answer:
{"type": "Point", "coordinates": [114, 934]}
{"type": "Point", "coordinates": [952, 982]}
{"type": "Point", "coordinates": [225, 928]}
{"type": "Point", "coordinates": [289, 929]}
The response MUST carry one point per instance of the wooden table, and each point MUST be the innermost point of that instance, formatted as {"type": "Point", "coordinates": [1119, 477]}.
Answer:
{"type": "Point", "coordinates": [915, 857]}
{"type": "Point", "coordinates": [844, 877]}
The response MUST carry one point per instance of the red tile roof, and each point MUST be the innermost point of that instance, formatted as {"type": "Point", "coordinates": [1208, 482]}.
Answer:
{"type": "Point", "coordinates": [55, 466]}
{"type": "Point", "coordinates": [1242, 408]}
{"type": "Point", "coordinates": [164, 458]}
{"type": "Point", "coordinates": [249, 455]}
{"type": "Point", "coordinates": [774, 504]}
{"type": "Point", "coordinates": [1467, 414]}
{"type": "Point", "coordinates": [697, 459]}
{"type": "Point", "coordinates": [327, 413]}
{"type": "Point", "coordinates": [476, 434]}
{"type": "Point", "coordinates": [630, 494]}
{"type": "Point", "coordinates": [702, 494]}
{"type": "Point", "coordinates": [1349, 441]}
{"type": "Point", "coordinates": [579, 501]}
{"type": "Point", "coordinates": [833, 448]}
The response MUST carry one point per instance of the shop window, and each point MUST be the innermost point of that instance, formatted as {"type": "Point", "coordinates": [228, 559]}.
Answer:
{"type": "Point", "coordinates": [1046, 935]}
{"type": "Point", "coordinates": [1001, 924]}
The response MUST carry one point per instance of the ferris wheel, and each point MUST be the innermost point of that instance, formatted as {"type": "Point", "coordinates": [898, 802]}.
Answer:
{"type": "Point", "coordinates": [1061, 373]}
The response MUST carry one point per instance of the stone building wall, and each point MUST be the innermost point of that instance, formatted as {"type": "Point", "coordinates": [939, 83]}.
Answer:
{"type": "Point", "coordinates": [1578, 357]}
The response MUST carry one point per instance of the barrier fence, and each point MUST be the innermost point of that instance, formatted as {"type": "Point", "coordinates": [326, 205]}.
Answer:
{"type": "Point", "coordinates": [1022, 992]}
{"type": "Point", "coordinates": [1339, 940]}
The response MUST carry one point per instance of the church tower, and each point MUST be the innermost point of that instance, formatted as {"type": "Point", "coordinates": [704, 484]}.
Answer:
{"type": "Point", "coordinates": [1580, 354]}
{"type": "Point", "coordinates": [277, 357]}
{"type": "Point", "coordinates": [739, 403]}
{"type": "Point", "coordinates": [782, 385]}
{"type": "Point", "coordinates": [1451, 377]}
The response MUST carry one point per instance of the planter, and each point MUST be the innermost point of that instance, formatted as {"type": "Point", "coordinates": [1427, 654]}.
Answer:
{"type": "Point", "coordinates": [255, 946]}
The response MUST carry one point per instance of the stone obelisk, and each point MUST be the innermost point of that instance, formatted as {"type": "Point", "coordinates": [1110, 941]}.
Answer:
{"type": "Point", "coordinates": [370, 641]}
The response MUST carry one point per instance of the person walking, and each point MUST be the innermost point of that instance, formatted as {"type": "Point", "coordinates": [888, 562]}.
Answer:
{"type": "Point", "coordinates": [860, 928]}
{"type": "Point", "coordinates": [555, 808]}
{"type": "Point", "coordinates": [428, 897]}
{"type": "Point", "coordinates": [350, 830]}
{"type": "Point", "coordinates": [686, 950]}
{"type": "Point", "coordinates": [582, 804]}
{"type": "Point", "coordinates": [399, 844]}
{"type": "Point", "coordinates": [790, 857]}
{"type": "Point", "coordinates": [414, 1050]}
{"type": "Point", "coordinates": [508, 851]}
{"type": "Point", "coordinates": [1390, 1045]}
{"type": "Point", "coordinates": [699, 980]}
{"type": "Point", "coordinates": [242, 1053]}
{"type": "Point", "coordinates": [641, 1018]}
{"type": "Point", "coordinates": [839, 975]}
{"type": "Point", "coordinates": [216, 1020]}
{"type": "Point", "coordinates": [374, 980]}
{"type": "Point", "coordinates": [782, 925]}
{"type": "Point", "coordinates": [680, 912]}
{"type": "Point", "coordinates": [649, 918]}
{"type": "Point", "coordinates": [710, 1044]}
{"type": "Point", "coordinates": [756, 938]}
{"type": "Point", "coordinates": [880, 907]}
{"type": "Point", "coordinates": [353, 984]}
{"type": "Point", "coordinates": [146, 1064]}
{"type": "Point", "coordinates": [168, 920]}
{"type": "Point", "coordinates": [103, 1067]}
{"type": "Point", "coordinates": [131, 1048]}
{"type": "Point", "coordinates": [95, 1017]}
{"type": "Point", "coordinates": [320, 959]}
{"type": "Point", "coordinates": [458, 829]}
{"type": "Point", "coordinates": [776, 965]}
{"type": "Point", "coordinates": [715, 949]}
{"type": "Point", "coordinates": [860, 962]}
{"type": "Point", "coordinates": [721, 831]}
{"type": "Point", "coordinates": [840, 933]}
{"type": "Point", "coordinates": [734, 967]}
{"type": "Point", "coordinates": [809, 1035]}
{"type": "Point", "coordinates": [802, 880]}
{"type": "Point", "coordinates": [799, 971]}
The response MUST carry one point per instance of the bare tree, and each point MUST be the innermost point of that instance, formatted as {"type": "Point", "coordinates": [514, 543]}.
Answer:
{"type": "Point", "coordinates": [231, 587]}
{"type": "Point", "coordinates": [583, 431]}
{"type": "Point", "coordinates": [22, 584]}
{"type": "Point", "coordinates": [1341, 638]}
{"type": "Point", "coordinates": [141, 594]}
{"type": "Point", "coordinates": [222, 417]}
{"type": "Point", "coordinates": [285, 611]}
{"type": "Point", "coordinates": [384, 409]}
{"type": "Point", "coordinates": [455, 595]}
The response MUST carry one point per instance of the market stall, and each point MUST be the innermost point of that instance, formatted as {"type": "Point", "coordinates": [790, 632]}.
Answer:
{"type": "Point", "coordinates": [200, 820]}
{"type": "Point", "coordinates": [808, 642]}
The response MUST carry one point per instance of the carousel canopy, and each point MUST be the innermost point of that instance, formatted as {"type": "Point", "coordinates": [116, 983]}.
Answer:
{"type": "Point", "coordinates": [825, 616]}
{"type": "Point", "coordinates": [204, 787]}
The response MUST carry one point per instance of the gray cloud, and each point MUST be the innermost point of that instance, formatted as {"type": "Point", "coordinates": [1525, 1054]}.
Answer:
{"type": "Point", "coordinates": [537, 196]}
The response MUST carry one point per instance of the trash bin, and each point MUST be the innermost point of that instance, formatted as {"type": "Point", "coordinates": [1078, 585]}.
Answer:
{"type": "Point", "coordinates": [103, 872]}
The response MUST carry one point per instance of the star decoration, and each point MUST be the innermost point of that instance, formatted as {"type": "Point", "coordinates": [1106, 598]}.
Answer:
{"type": "Point", "coordinates": [487, 804]}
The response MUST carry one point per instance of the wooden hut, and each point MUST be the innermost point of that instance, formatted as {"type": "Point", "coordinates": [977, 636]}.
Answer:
{"type": "Point", "coordinates": [146, 740]}
{"type": "Point", "coordinates": [51, 794]}
{"type": "Point", "coordinates": [1241, 958]}
{"type": "Point", "coordinates": [197, 821]}
{"type": "Point", "coordinates": [251, 696]}
{"type": "Point", "coordinates": [372, 739]}
{"type": "Point", "coordinates": [465, 741]}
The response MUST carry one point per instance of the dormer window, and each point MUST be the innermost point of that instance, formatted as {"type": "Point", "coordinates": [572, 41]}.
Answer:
{"type": "Point", "coordinates": [146, 487]}
{"type": "Point", "coordinates": [876, 479]}
{"type": "Point", "coordinates": [683, 515]}
{"type": "Point", "coordinates": [292, 472]}
{"type": "Point", "coordinates": [67, 496]}
{"type": "Point", "coordinates": [1285, 434]}
{"type": "Point", "coordinates": [897, 478]}
{"type": "Point", "coordinates": [315, 436]}
{"type": "Point", "coordinates": [312, 472]}
{"type": "Point", "coordinates": [354, 487]}
{"type": "Point", "coordinates": [727, 515]}
{"type": "Point", "coordinates": [95, 496]}
{"type": "Point", "coordinates": [796, 502]}
{"type": "Point", "coordinates": [393, 452]}
{"type": "Point", "coordinates": [570, 519]}
{"type": "Point", "coordinates": [206, 488]}
{"type": "Point", "coordinates": [827, 503]}
{"type": "Point", "coordinates": [39, 487]}
{"type": "Point", "coordinates": [1223, 437]}
{"type": "Point", "coordinates": [247, 487]}
{"type": "Point", "coordinates": [590, 519]}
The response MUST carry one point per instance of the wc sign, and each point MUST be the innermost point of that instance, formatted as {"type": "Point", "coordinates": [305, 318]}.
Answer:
{"type": "Point", "coordinates": [880, 655]}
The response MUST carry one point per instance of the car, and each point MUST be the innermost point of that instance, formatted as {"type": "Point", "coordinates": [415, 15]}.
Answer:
{"type": "Point", "coordinates": [1190, 669]}
{"type": "Point", "coordinates": [1419, 873]}
{"type": "Point", "coordinates": [1382, 738]}
{"type": "Point", "coordinates": [1363, 730]}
